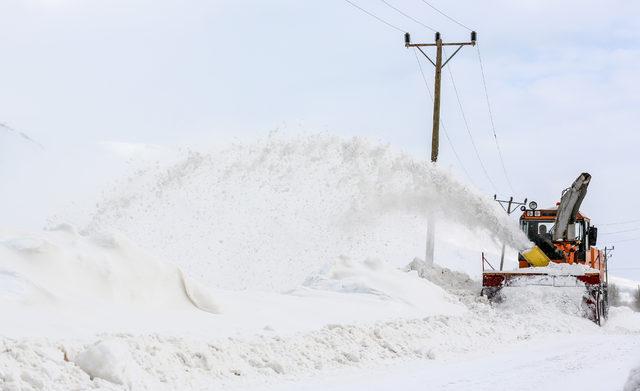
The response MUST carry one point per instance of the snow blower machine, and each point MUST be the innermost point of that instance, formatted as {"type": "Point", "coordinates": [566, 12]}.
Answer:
{"type": "Point", "coordinates": [564, 254]}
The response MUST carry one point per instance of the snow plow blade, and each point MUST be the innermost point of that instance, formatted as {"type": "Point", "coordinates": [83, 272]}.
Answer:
{"type": "Point", "coordinates": [496, 279]}
{"type": "Point", "coordinates": [595, 301]}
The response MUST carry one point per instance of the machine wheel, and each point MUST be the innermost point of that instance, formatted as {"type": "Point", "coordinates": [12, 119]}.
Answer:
{"type": "Point", "coordinates": [605, 301]}
{"type": "Point", "coordinates": [595, 304]}
{"type": "Point", "coordinates": [599, 308]}
{"type": "Point", "coordinates": [492, 294]}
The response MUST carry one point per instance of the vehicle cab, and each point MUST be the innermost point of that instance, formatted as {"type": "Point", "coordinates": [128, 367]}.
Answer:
{"type": "Point", "coordinates": [579, 246]}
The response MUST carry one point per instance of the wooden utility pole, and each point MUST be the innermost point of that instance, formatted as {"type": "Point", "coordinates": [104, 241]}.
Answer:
{"type": "Point", "coordinates": [435, 133]}
{"type": "Point", "coordinates": [438, 64]}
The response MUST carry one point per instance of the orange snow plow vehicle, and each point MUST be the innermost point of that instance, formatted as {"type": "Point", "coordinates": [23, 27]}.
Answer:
{"type": "Point", "coordinates": [564, 254]}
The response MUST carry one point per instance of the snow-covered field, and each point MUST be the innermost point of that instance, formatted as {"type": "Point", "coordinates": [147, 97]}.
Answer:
{"type": "Point", "coordinates": [290, 264]}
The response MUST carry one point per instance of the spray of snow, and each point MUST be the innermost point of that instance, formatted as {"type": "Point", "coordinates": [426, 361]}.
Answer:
{"type": "Point", "coordinates": [267, 215]}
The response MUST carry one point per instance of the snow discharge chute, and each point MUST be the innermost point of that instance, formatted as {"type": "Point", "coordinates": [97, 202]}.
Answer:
{"type": "Point", "coordinates": [569, 206]}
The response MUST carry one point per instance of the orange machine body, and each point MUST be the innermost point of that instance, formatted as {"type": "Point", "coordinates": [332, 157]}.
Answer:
{"type": "Point", "coordinates": [578, 250]}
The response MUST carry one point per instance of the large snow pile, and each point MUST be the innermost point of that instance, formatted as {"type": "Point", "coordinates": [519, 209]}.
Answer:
{"type": "Point", "coordinates": [60, 269]}
{"type": "Point", "coordinates": [268, 214]}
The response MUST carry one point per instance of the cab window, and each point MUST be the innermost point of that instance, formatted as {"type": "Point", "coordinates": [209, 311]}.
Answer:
{"type": "Point", "coordinates": [534, 228]}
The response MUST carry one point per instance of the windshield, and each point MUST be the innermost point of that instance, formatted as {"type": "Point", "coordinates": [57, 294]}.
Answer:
{"type": "Point", "coordinates": [534, 229]}
{"type": "Point", "coordinates": [545, 228]}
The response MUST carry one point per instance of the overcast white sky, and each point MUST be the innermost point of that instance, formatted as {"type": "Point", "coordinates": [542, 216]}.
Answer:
{"type": "Point", "coordinates": [77, 75]}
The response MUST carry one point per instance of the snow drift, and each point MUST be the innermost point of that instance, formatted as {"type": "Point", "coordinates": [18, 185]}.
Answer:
{"type": "Point", "coordinates": [269, 214]}
{"type": "Point", "coordinates": [60, 268]}
{"type": "Point", "coordinates": [374, 277]}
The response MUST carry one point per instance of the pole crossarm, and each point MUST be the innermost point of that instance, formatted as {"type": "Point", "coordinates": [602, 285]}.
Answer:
{"type": "Point", "coordinates": [438, 65]}
{"type": "Point", "coordinates": [439, 44]}
{"type": "Point", "coordinates": [472, 43]}
{"type": "Point", "coordinates": [509, 203]}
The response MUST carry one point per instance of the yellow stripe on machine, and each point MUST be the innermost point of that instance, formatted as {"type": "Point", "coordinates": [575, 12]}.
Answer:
{"type": "Point", "coordinates": [536, 257]}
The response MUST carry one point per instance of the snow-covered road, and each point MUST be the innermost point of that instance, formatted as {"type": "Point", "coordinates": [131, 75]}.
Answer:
{"type": "Point", "coordinates": [563, 362]}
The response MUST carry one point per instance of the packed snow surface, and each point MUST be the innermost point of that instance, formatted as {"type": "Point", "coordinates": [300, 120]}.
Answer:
{"type": "Point", "coordinates": [281, 259]}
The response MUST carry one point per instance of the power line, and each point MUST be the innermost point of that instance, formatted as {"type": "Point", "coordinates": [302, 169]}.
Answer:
{"type": "Point", "coordinates": [20, 134]}
{"type": "Point", "coordinates": [446, 16]}
{"type": "Point", "coordinates": [493, 125]}
{"type": "Point", "coordinates": [620, 232]}
{"type": "Point", "coordinates": [625, 268]}
{"type": "Point", "coordinates": [466, 124]}
{"type": "Point", "coordinates": [407, 15]}
{"type": "Point", "coordinates": [374, 16]}
{"type": "Point", "coordinates": [625, 240]}
{"type": "Point", "coordinates": [621, 222]}
{"type": "Point", "coordinates": [486, 93]}
{"type": "Point", "coordinates": [446, 134]}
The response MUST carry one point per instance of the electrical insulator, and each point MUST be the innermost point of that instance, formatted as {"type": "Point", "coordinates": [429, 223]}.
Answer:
{"type": "Point", "coordinates": [407, 38]}
{"type": "Point", "coordinates": [474, 36]}
{"type": "Point", "coordinates": [437, 36]}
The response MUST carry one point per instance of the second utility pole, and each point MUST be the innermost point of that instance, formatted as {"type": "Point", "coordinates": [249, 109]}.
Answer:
{"type": "Point", "coordinates": [435, 133]}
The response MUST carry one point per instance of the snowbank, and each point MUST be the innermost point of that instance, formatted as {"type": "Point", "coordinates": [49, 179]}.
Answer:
{"type": "Point", "coordinates": [61, 269]}
{"type": "Point", "coordinates": [351, 314]}
{"type": "Point", "coordinates": [63, 283]}
{"type": "Point", "coordinates": [162, 362]}
{"type": "Point", "coordinates": [376, 278]}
